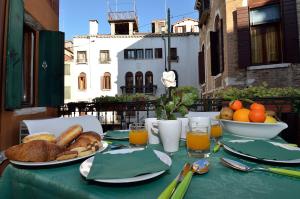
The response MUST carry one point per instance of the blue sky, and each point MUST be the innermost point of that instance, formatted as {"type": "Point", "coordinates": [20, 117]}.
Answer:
{"type": "Point", "coordinates": [75, 14]}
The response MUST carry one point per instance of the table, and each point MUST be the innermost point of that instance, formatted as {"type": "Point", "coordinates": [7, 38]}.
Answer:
{"type": "Point", "coordinates": [220, 182]}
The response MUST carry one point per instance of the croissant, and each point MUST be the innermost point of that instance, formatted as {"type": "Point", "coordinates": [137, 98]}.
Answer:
{"type": "Point", "coordinates": [34, 151]}
{"type": "Point", "coordinates": [85, 139]}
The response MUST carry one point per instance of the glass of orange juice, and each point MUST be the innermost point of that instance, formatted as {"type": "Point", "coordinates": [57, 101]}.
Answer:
{"type": "Point", "coordinates": [138, 135]}
{"type": "Point", "coordinates": [216, 130]}
{"type": "Point", "coordinates": [197, 138]}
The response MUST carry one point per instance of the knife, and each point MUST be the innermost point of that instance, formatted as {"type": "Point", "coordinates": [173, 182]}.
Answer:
{"type": "Point", "coordinates": [169, 190]}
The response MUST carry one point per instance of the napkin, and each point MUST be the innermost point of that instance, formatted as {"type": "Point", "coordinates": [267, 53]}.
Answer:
{"type": "Point", "coordinates": [117, 134]}
{"type": "Point", "coordinates": [119, 166]}
{"type": "Point", "coordinates": [263, 150]}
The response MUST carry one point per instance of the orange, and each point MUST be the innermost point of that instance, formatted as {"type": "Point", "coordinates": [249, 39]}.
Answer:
{"type": "Point", "coordinates": [257, 115]}
{"type": "Point", "coordinates": [235, 105]}
{"type": "Point", "coordinates": [257, 106]}
{"type": "Point", "coordinates": [241, 115]}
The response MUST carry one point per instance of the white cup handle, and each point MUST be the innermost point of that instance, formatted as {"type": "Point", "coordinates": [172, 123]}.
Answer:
{"type": "Point", "coordinates": [154, 128]}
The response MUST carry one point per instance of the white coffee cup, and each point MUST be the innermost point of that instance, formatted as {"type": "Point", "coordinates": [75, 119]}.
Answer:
{"type": "Point", "coordinates": [153, 138]}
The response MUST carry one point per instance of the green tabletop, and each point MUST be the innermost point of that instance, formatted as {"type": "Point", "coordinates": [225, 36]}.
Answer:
{"type": "Point", "coordinates": [220, 182]}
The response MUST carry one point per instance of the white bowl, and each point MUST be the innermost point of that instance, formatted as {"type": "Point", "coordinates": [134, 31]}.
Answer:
{"type": "Point", "coordinates": [253, 130]}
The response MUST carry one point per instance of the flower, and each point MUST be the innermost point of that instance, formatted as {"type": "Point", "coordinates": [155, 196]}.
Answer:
{"type": "Point", "coordinates": [176, 99]}
{"type": "Point", "coordinates": [169, 79]}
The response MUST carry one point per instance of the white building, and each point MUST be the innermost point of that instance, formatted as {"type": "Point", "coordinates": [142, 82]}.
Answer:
{"type": "Point", "coordinates": [128, 61]}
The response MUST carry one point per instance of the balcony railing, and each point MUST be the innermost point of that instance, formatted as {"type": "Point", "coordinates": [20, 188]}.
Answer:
{"type": "Point", "coordinates": [134, 89]}
{"type": "Point", "coordinates": [81, 61]}
{"type": "Point", "coordinates": [122, 15]}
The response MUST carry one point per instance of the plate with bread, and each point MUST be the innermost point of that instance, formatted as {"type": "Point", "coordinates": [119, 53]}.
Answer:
{"type": "Point", "coordinates": [45, 149]}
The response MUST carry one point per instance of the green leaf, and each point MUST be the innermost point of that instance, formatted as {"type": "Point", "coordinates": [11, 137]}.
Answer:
{"type": "Point", "coordinates": [188, 99]}
{"type": "Point", "coordinates": [183, 110]}
{"type": "Point", "coordinates": [170, 106]}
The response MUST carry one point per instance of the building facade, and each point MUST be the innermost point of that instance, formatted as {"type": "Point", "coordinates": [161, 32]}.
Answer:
{"type": "Point", "coordinates": [247, 42]}
{"type": "Point", "coordinates": [128, 62]}
{"type": "Point", "coordinates": [31, 64]}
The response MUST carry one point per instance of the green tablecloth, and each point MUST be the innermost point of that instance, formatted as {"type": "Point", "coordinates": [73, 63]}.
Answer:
{"type": "Point", "coordinates": [66, 182]}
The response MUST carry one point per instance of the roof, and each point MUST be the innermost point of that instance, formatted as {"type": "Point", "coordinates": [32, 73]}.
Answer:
{"type": "Point", "coordinates": [138, 35]}
{"type": "Point", "coordinates": [185, 19]}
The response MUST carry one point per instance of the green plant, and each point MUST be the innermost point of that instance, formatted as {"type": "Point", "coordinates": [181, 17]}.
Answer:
{"type": "Point", "coordinates": [124, 98]}
{"type": "Point", "coordinates": [178, 101]}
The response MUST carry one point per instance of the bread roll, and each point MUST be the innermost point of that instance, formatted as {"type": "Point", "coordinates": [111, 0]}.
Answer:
{"type": "Point", "coordinates": [69, 135]}
{"type": "Point", "coordinates": [67, 155]}
{"type": "Point", "coordinates": [85, 153]}
{"type": "Point", "coordinates": [85, 139]}
{"type": "Point", "coordinates": [40, 136]}
{"type": "Point", "coordinates": [34, 151]}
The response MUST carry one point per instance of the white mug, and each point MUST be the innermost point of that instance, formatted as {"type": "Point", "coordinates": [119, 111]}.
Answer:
{"type": "Point", "coordinates": [169, 132]}
{"type": "Point", "coordinates": [153, 138]}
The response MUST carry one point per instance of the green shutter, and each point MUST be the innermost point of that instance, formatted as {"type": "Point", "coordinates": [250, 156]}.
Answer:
{"type": "Point", "coordinates": [51, 68]}
{"type": "Point", "coordinates": [14, 55]}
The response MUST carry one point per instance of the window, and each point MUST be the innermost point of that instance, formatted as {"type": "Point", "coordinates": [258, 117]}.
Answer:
{"type": "Point", "coordinates": [148, 82]}
{"type": "Point", "coordinates": [129, 82]}
{"type": "Point", "coordinates": [67, 92]}
{"type": "Point", "coordinates": [129, 54]}
{"type": "Point", "coordinates": [104, 57]}
{"type": "Point", "coordinates": [139, 82]}
{"type": "Point", "coordinates": [180, 29]}
{"type": "Point", "coordinates": [265, 35]}
{"type": "Point", "coordinates": [81, 57]}
{"type": "Point", "coordinates": [139, 53]}
{"type": "Point", "coordinates": [158, 53]}
{"type": "Point", "coordinates": [149, 53]}
{"type": "Point", "coordinates": [28, 66]}
{"type": "Point", "coordinates": [82, 81]}
{"type": "Point", "coordinates": [216, 45]}
{"type": "Point", "coordinates": [106, 81]}
{"type": "Point", "coordinates": [67, 69]}
{"type": "Point", "coordinates": [173, 53]}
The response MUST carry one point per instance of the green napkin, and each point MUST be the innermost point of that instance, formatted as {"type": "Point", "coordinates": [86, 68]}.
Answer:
{"type": "Point", "coordinates": [119, 166]}
{"type": "Point", "coordinates": [263, 150]}
{"type": "Point", "coordinates": [117, 134]}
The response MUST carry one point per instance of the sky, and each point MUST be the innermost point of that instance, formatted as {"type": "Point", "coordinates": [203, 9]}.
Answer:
{"type": "Point", "coordinates": [75, 14]}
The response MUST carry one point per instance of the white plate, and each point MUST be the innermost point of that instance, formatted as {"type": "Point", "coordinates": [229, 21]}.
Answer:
{"type": "Point", "coordinates": [86, 166]}
{"type": "Point", "coordinates": [296, 161]}
{"type": "Point", "coordinates": [55, 162]}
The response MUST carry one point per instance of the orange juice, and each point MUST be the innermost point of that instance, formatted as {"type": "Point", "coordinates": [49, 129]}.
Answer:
{"type": "Point", "coordinates": [216, 131]}
{"type": "Point", "coordinates": [197, 141]}
{"type": "Point", "coordinates": [138, 137]}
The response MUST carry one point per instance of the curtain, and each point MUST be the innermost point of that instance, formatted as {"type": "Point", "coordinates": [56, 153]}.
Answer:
{"type": "Point", "coordinates": [272, 46]}
{"type": "Point", "coordinates": [256, 46]}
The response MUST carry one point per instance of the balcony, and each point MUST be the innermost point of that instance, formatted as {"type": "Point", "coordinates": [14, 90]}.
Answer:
{"type": "Point", "coordinates": [204, 9]}
{"type": "Point", "coordinates": [81, 61]}
{"type": "Point", "coordinates": [151, 90]}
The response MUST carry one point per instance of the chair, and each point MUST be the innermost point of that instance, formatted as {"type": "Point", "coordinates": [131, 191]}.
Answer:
{"type": "Point", "coordinates": [59, 125]}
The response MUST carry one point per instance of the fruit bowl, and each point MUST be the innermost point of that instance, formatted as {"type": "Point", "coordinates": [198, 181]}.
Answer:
{"type": "Point", "coordinates": [253, 130]}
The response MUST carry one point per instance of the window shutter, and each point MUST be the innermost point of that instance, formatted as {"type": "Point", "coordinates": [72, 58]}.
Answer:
{"type": "Point", "coordinates": [243, 31]}
{"type": "Point", "coordinates": [125, 54]}
{"type": "Point", "coordinates": [222, 47]}
{"type": "Point", "coordinates": [290, 31]}
{"type": "Point", "coordinates": [214, 55]}
{"type": "Point", "coordinates": [14, 55]}
{"type": "Point", "coordinates": [201, 67]}
{"type": "Point", "coordinates": [51, 68]}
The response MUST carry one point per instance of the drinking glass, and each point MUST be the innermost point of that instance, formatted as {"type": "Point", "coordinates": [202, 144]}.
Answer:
{"type": "Point", "coordinates": [216, 131]}
{"type": "Point", "coordinates": [138, 135]}
{"type": "Point", "coordinates": [197, 138]}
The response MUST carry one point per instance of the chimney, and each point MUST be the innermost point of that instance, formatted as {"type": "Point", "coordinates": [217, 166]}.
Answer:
{"type": "Point", "coordinates": [93, 27]}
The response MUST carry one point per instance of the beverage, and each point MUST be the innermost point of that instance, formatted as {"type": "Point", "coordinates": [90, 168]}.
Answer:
{"type": "Point", "coordinates": [198, 141]}
{"type": "Point", "coordinates": [216, 131]}
{"type": "Point", "coordinates": [138, 137]}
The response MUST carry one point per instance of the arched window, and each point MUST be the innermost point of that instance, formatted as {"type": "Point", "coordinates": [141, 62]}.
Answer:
{"type": "Point", "coordinates": [106, 81]}
{"type": "Point", "coordinates": [129, 82]}
{"type": "Point", "coordinates": [139, 82]}
{"type": "Point", "coordinates": [82, 81]}
{"type": "Point", "coordinates": [149, 82]}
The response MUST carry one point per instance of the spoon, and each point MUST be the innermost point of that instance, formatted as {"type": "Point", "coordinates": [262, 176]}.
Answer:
{"type": "Point", "coordinates": [242, 167]}
{"type": "Point", "coordinates": [200, 167]}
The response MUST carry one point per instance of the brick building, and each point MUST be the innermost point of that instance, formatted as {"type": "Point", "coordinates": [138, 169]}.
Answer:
{"type": "Point", "coordinates": [247, 42]}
